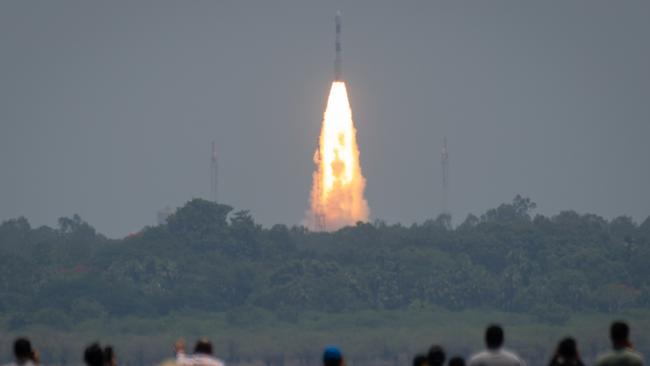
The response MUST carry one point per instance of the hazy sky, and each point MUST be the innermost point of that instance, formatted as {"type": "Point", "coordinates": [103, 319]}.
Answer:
{"type": "Point", "coordinates": [107, 109]}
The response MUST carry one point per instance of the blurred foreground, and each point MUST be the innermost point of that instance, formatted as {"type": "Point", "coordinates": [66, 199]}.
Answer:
{"type": "Point", "coordinates": [369, 337]}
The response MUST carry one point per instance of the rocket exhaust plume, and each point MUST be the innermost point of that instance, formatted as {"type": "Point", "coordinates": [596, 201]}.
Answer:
{"type": "Point", "coordinates": [337, 194]}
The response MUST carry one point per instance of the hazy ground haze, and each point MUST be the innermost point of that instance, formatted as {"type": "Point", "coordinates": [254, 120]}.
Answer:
{"type": "Point", "coordinates": [108, 109]}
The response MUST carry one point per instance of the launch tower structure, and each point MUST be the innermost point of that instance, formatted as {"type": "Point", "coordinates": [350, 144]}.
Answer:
{"type": "Point", "coordinates": [337, 46]}
{"type": "Point", "coordinates": [444, 160]}
{"type": "Point", "coordinates": [214, 170]}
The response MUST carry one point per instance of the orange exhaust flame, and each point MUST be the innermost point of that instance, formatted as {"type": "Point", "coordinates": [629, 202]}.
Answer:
{"type": "Point", "coordinates": [337, 196]}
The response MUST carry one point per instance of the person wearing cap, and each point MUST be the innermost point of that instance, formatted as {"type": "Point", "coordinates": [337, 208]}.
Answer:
{"type": "Point", "coordinates": [332, 356]}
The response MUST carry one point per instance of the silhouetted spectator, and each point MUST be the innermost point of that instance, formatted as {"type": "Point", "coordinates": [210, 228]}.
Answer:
{"type": "Point", "coordinates": [457, 361]}
{"type": "Point", "coordinates": [622, 353]}
{"type": "Point", "coordinates": [36, 357]}
{"type": "Point", "coordinates": [566, 354]}
{"type": "Point", "coordinates": [420, 360]}
{"type": "Point", "coordinates": [495, 355]}
{"type": "Point", "coordinates": [94, 355]}
{"type": "Point", "coordinates": [109, 356]}
{"type": "Point", "coordinates": [332, 356]}
{"type": "Point", "coordinates": [202, 354]}
{"type": "Point", "coordinates": [436, 356]}
{"type": "Point", "coordinates": [24, 354]}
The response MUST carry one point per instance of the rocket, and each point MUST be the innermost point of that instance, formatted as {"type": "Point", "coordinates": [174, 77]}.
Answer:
{"type": "Point", "coordinates": [337, 60]}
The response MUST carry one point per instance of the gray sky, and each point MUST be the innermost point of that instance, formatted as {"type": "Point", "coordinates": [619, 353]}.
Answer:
{"type": "Point", "coordinates": [107, 109]}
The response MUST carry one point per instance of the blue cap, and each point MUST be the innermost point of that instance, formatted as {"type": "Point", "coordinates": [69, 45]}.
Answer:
{"type": "Point", "coordinates": [332, 353]}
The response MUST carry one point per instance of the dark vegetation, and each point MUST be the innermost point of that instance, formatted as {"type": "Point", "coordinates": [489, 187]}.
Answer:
{"type": "Point", "coordinates": [209, 259]}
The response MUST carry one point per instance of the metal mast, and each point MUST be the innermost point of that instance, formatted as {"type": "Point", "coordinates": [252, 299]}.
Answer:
{"type": "Point", "coordinates": [337, 60]}
{"type": "Point", "coordinates": [444, 159]}
{"type": "Point", "coordinates": [213, 173]}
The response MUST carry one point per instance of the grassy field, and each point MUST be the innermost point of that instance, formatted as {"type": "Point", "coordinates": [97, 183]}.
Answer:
{"type": "Point", "coordinates": [253, 336]}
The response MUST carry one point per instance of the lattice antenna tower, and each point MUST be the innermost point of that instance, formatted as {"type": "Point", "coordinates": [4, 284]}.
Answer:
{"type": "Point", "coordinates": [444, 160]}
{"type": "Point", "coordinates": [214, 171]}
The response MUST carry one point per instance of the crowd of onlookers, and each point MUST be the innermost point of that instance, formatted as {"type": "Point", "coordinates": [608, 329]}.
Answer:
{"type": "Point", "coordinates": [566, 353]}
{"type": "Point", "coordinates": [622, 353]}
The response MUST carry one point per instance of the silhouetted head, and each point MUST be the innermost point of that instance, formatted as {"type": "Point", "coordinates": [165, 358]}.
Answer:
{"type": "Point", "coordinates": [22, 349]}
{"type": "Point", "coordinates": [494, 337]}
{"type": "Point", "coordinates": [332, 356]}
{"type": "Point", "coordinates": [568, 349]}
{"type": "Point", "coordinates": [436, 356]}
{"type": "Point", "coordinates": [109, 356]}
{"type": "Point", "coordinates": [203, 346]}
{"type": "Point", "coordinates": [420, 360]}
{"type": "Point", "coordinates": [94, 355]}
{"type": "Point", "coordinates": [619, 333]}
{"type": "Point", "coordinates": [457, 361]}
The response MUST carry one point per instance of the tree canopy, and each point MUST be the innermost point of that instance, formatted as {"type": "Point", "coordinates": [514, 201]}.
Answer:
{"type": "Point", "coordinates": [209, 258]}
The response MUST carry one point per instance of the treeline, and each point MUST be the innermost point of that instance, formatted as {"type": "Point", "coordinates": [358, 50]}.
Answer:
{"type": "Point", "coordinates": [209, 258]}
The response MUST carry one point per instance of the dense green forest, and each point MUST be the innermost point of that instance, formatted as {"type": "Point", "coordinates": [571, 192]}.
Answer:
{"type": "Point", "coordinates": [208, 258]}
